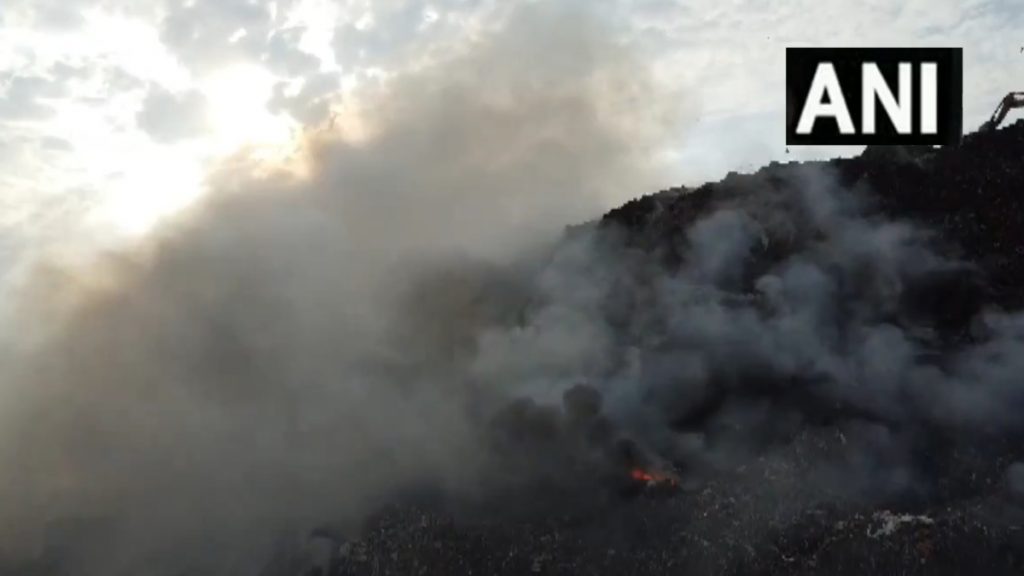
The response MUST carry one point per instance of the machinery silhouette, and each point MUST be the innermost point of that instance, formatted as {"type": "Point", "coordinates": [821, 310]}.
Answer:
{"type": "Point", "coordinates": [1009, 102]}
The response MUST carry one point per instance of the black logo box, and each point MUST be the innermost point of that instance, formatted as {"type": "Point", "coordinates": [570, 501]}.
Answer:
{"type": "Point", "coordinates": [802, 63]}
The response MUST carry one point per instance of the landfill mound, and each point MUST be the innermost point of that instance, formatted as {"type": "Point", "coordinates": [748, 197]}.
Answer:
{"type": "Point", "coordinates": [969, 195]}
{"type": "Point", "coordinates": [765, 515]}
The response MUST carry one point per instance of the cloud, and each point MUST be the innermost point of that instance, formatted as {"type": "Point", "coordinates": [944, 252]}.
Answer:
{"type": "Point", "coordinates": [389, 34]}
{"type": "Point", "coordinates": [312, 103]}
{"type": "Point", "coordinates": [24, 98]}
{"type": "Point", "coordinates": [168, 117]}
{"type": "Point", "coordinates": [284, 56]}
{"type": "Point", "coordinates": [200, 33]}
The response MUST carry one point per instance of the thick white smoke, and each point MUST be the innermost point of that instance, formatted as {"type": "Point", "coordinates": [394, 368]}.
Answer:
{"type": "Point", "coordinates": [291, 351]}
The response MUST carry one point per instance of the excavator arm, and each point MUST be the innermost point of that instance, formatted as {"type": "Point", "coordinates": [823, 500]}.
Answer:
{"type": "Point", "coordinates": [1009, 102]}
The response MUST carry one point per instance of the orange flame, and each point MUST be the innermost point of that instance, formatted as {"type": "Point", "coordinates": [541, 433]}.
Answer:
{"type": "Point", "coordinates": [652, 477]}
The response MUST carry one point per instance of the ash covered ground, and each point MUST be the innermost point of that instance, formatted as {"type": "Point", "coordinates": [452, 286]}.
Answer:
{"type": "Point", "coordinates": [882, 438]}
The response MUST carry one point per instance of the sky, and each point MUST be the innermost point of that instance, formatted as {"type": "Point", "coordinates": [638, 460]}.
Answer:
{"type": "Point", "coordinates": [115, 113]}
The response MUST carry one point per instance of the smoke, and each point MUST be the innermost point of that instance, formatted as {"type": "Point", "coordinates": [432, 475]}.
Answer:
{"type": "Point", "coordinates": [788, 313]}
{"type": "Point", "coordinates": [292, 350]}
{"type": "Point", "coordinates": [301, 350]}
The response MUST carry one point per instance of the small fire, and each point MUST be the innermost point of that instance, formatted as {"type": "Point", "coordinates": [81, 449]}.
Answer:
{"type": "Point", "coordinates": [653, 477]}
